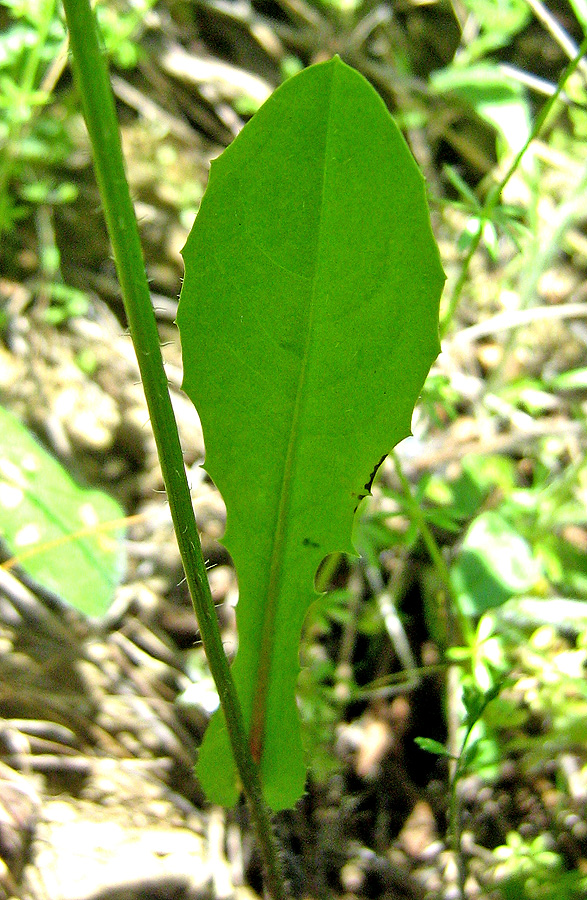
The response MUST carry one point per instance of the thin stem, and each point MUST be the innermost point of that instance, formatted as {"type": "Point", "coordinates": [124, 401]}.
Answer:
{"type": "Point", "coordinates": [460, 762]}
{"type": "Point", "coordinates": [443, 573]}
{"type": "Point", "coordinates": [90, 69]}
{"type": "Point", "coordinates": [455, 771]}
{"type": "Point", "coordinates": [436, 556]}
{"type": "Point", "coordinates": [388, 685]}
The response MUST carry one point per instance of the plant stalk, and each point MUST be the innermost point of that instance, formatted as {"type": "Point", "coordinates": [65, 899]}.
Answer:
{"type": "Point", "coordinates": [91, 72]}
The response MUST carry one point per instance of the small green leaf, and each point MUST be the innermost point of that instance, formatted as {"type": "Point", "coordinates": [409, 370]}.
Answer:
{"type": "Point", "coordinates": [504, 17]}
{"type": "Point", "coordinates": [308, 321]}
{"type": "Point", "coordinates": [572, 380]}
{"type": "Point", "coordinates": [432, 746]}
{"type": "Point", "coordinates": [42, 510]}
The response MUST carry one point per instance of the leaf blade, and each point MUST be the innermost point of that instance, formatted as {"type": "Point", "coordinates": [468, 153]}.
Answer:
{"type": "Point", "coordinates": [56, 525]}
{"type": "Point", "coordinates": [279, 283]}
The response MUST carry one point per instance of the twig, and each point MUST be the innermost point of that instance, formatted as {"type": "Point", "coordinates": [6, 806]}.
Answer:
{"type": "Point", "coordinates": [151, 111]}
{"type": "Point", "coordinates": [394, 627]}
{"type": "Point", "coordinates": [516, 318]}
{"type": "Point", "coordinates": [225, 81]}
{"type": "Point", "coordinates": [537, 84]}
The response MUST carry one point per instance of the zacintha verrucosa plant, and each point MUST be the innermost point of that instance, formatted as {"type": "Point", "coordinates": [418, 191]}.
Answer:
{"type": "Point", "coordinates": [308, 322]}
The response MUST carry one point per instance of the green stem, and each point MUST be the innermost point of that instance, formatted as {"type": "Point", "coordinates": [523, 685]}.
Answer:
{"type": "Point", "coordinates": [90, 69]}
{"type": "Point", "coordinates": [434, 551]}
{"type": "Point", "coordinates": [455, 835]}
{"type": "Point", "coordinates": [455, 829]}
{"type": "Point", "coordinates": [443, 572]}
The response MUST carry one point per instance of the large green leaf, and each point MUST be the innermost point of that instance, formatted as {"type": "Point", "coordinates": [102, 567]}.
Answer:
{"type": "Point", "coordinates": [308, 322]}
{"type": "Point", "coordinates": [54, 527]}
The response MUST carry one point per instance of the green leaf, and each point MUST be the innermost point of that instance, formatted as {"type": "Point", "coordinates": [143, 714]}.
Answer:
{"type": "Point", "coordinates": [495, 563]}
{"type": "Point", "coordinates": [494, 96]}
{"type": "Point", "coordinates": [53, 526]}
{"type": "Point", "coordinates": [308, 322]}
{"type": "Point", "coordinates": [571, 380]}
{"type": "Point", "coordinates": [502, 18]}
{"type": "Point", "coordinates": [431, 746]}
{"type": "Point", "coordinates": [475, 701]}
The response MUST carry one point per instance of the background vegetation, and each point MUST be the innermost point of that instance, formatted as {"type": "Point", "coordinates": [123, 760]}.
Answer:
{"type": "Point", "coordinates": [464, 625]}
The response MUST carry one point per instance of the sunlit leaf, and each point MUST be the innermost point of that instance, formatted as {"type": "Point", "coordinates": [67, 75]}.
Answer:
{"type": "Point", "coordinates": [493, 95]}
{"type": "Point", "coordinates": [308, 322]}
{"type": "Point", "coordinates": [495, 563]}
{"type": "Point", "coordinates": [53, 527]}
{"type": "Point", "coordinates": [431, 746]}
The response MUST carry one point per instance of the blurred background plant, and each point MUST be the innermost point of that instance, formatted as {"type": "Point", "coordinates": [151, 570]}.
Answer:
{"type": "Point", "coordinates": [473, 581]}
{"type": "Point", "coordinates": [38, 131]}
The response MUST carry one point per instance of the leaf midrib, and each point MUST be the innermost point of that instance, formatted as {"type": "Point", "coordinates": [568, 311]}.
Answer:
{"type": "Point", "coordinates": [263, 674]}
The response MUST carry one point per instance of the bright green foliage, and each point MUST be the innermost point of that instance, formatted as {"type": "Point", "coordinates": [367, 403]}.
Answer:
{"type": "Point", "coordinates": [35, 138]}
{"type": "Point", "coordinates": [494, 96]}
{"type": "Point", "coordinates": [494, 564]}
{"type": "Point", "coordinates": [308, 322]}
{"type": "Point", "coordinates": [42, 510]}
{"type": "Point", "coordinates": [498, 22]}
{"type": "Point", "coordinates": [530, 870]}
{"type": "Point", "coordinates": [431, 746]}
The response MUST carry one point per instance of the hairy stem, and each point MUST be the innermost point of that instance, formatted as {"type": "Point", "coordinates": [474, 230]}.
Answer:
{"type": "Point", "coordinates": [91, 73]}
